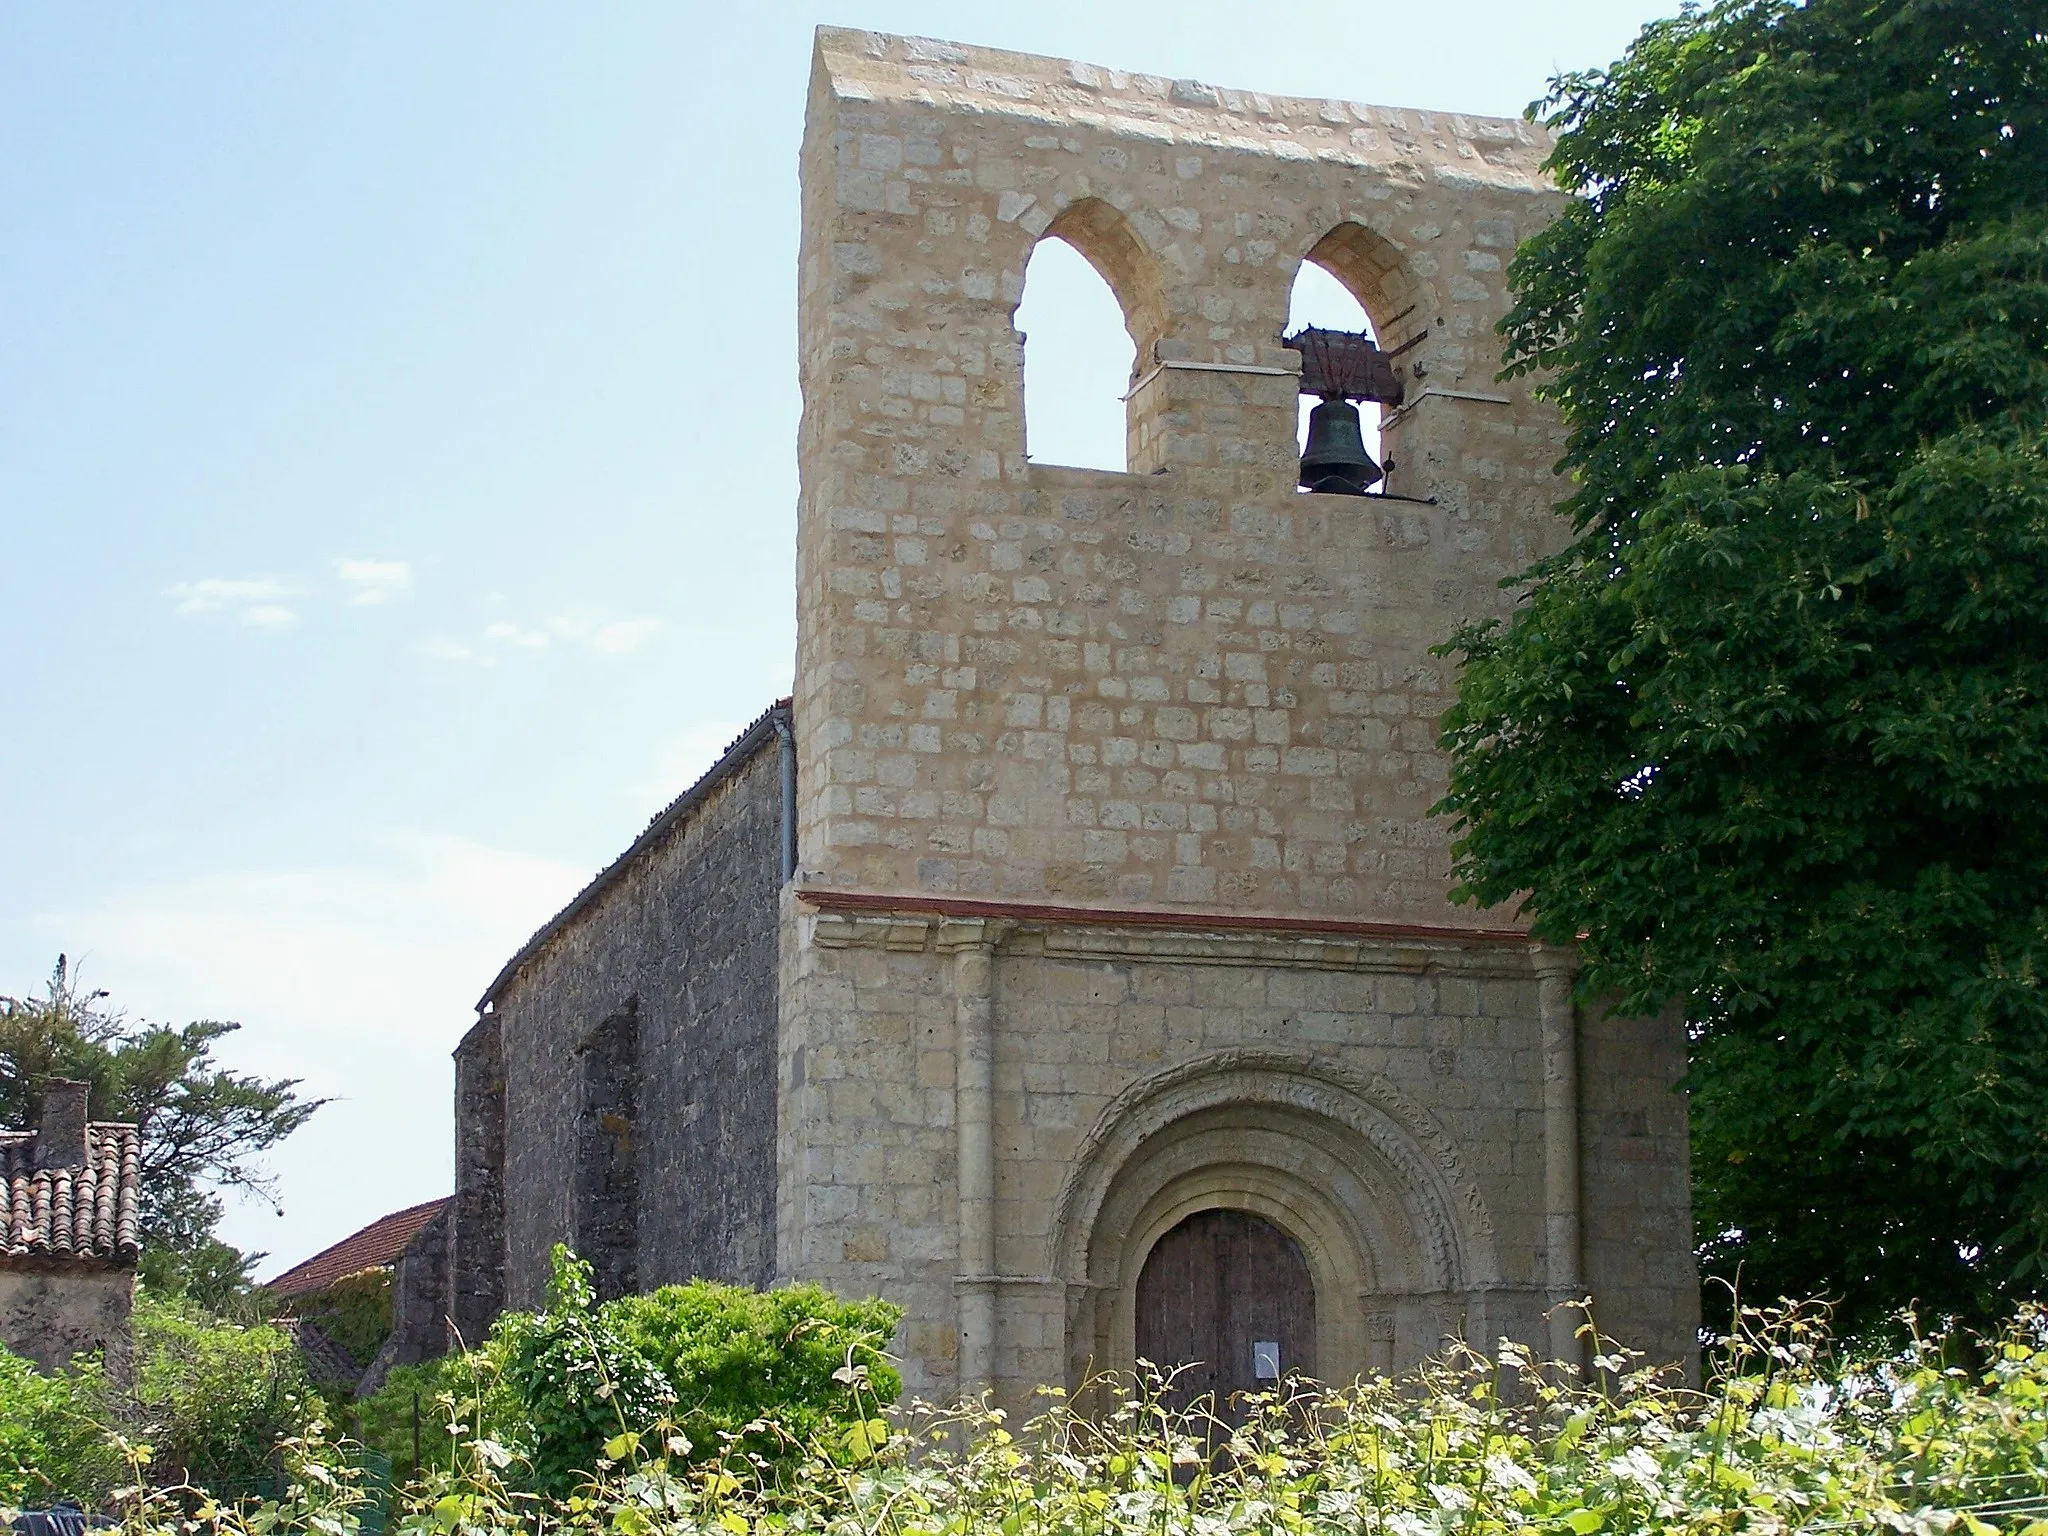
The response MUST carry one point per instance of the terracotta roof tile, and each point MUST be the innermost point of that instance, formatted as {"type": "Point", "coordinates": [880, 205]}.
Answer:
{"type": "Point", "coordinates": [380, 1243]}
{"type": "Point", "coordinates": [87, 1212]}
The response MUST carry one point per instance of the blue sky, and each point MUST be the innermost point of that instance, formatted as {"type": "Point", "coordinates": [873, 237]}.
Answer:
{"type": "Point", "coordinates": [397, 411]}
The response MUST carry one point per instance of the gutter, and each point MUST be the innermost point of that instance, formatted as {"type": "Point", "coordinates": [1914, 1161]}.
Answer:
{"type": "Point", "coordinates": [785, 734]}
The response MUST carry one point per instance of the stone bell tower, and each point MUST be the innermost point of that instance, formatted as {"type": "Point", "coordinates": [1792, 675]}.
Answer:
{"type": "Point", "coordinates": [1122, 1007]}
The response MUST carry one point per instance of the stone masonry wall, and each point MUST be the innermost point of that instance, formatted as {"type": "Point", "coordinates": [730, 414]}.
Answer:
{"type": "Point", "coordinates": [606, 1202]}
{"type": "Point", "coordinates": [1188, 685]}
{"type": "Point", "coordinates": [1637, 1191]}
{"type": "Point", "coordinates": [1119, 894]}
{"type": "Point", "coordinates": [1444, 1038]}
{"type": "Point", "coordinates": [50, 1313]}
{"type": "Point", "coordinates": [688, 931]}
{"type": "Point", "coordinates": [476, 1236]}
{"type": "Point", "coordinates": [421, 1306]}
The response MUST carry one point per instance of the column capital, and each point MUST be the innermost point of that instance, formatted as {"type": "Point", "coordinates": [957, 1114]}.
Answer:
{"type": "Point", "coordinates": [958, 933]}
{"type": "Point", "coordinates": [1548, 960]}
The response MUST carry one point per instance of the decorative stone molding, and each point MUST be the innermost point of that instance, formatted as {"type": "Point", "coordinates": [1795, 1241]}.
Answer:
{"type": "Point", "coordinates": [919, 933]}
{"type": "Point", "coordinates": [1351, 1167]}
{"type": "Point", "coordinates": [1387, 1119]}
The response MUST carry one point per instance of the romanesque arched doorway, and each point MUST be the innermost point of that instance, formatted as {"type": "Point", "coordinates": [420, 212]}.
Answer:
{"type": "Point", "coordinates": [1226, 1300]}
{"type": "Point", "coordinates": [1391, 1229]}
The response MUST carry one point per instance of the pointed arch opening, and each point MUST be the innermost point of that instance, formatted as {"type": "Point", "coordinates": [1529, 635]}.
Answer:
{"type": "Point", "coordinates": [1356, 279]}
{"type": "Point", "coordinates": [1077, 361]}
{"type": "Point", "coordinates": [1088, 278]}
{"type": "Point", "coordinates": [1319, 299]}
{"type": "Point", "coordinates": [1377, 278]}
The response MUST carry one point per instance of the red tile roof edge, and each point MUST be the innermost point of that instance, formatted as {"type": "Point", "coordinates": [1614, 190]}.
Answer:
{"type": "Point", "coordinates": [379, 1243]}
{"type": "Point", "coordinates": [89, 1214]}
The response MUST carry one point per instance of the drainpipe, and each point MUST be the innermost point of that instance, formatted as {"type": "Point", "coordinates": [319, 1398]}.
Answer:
{"type": "Point", "coordinates": [1564, 1274]}
{"type": "Point", "coordinates": [973, 947]}
{"type": "Point", "coordinates": [785, 736]}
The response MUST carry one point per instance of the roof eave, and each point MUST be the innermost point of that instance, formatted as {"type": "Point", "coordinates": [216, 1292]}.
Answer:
{"type": "Point", "coordinates": [750, 741]}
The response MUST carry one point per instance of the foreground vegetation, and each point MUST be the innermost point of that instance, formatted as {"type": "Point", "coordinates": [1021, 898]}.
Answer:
{"type": "Point", "coordinates": [1789, 1434]}
{"type": "Point", "coordinates": [231, 1406]}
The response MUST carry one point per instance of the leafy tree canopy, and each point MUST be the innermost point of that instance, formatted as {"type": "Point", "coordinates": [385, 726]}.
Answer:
{"type": "Point", "coordinates": [205, 1129]}
{"type": "Point", "coordinates": [1771, 734]}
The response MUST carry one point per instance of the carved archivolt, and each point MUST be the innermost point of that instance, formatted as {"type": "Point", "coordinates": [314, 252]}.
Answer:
{"type": "Point", "coordinates": [1378, 275]}
{"type": "Point", "coordinates": [1357, 1172]}
{"type": "Point", "coordinates": [1105, 237]}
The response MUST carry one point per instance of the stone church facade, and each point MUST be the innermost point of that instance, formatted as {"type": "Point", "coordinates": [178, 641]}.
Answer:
{"type": "Point", "coordinates": [1071, 960]}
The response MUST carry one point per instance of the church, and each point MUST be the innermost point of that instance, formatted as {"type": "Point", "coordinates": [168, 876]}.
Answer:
{"type": "Point", "coordinates": [1071, 959]}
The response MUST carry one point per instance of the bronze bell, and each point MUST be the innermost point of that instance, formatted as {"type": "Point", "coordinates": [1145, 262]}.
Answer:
{"type": "Point", "coordinates": [1334, 460]}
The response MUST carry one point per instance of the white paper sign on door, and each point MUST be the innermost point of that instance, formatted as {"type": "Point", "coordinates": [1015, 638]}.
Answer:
{"type": "Point", "coordinates": [1266, 1360]}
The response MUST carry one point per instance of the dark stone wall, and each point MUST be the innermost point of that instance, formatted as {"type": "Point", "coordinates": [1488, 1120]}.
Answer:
{"type": "Point", "coordinates": [606, 1203]}
{"type": "Point", "coordinates": [476, 1236]}
{"type": "Point", "coordinates": [421, 1301]}
{"type": "Point", "coordinates": [1636, 1189]}
{"type": "Point", "coordinates": [683, 941]}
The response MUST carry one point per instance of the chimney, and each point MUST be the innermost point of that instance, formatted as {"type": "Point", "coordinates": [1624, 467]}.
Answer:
{"type": "Point", "coordinates": [60, 1143]}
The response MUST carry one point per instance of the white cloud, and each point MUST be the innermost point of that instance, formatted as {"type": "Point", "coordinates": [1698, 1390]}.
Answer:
{"type": "Point", "coordinates": [441, 648]}
{"type": "Point", "coordinates": [373, 582]}
{"type": "Point", "coordinates": [578, 631]}
{"type": "Point", "coordinates": [358, 978]}
{"type": "Point", "coordinates": [505, 632]}
{"type": "Point", "coordinates": [574, 627]}
{"type": "Point", "coordinates": [624, 636]}
{"type": "Point", "coordinates": [255, 601]}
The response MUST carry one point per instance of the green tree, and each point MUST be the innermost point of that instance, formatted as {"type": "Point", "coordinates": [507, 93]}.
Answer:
{"type": "Point", "coordinates": [205, 1129]}
{"type": "Point", "coordinates": [1771, 734]}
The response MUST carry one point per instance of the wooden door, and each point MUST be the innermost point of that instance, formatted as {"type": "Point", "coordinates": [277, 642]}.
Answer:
{"type": "Point", "coordinates": [1224, 1294]}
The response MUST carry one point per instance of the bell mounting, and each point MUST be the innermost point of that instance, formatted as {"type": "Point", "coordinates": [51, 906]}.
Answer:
{"type": "Point", "coordinates": [1341, 366]}
{"type": "Point", "coordinates": [1344, 365]}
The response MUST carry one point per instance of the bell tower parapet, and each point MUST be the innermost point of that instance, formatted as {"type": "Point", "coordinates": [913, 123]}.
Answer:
{"type": "Point", "coordinates": [1188, 685]}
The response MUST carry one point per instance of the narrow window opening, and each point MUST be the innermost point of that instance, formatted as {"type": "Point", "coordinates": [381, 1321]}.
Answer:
{"type": "Point", "coordinates": [1077, 361]}
{"type": "Point", "coordinates": [1318, 299]}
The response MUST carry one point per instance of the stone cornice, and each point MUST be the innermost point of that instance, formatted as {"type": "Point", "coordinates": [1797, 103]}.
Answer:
{"type": "Point", "coordinates": [917, 924]}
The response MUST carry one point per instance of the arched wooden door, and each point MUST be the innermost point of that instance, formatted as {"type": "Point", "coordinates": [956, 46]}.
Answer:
{"type": "Point", "coordinates": [1227, 1295]}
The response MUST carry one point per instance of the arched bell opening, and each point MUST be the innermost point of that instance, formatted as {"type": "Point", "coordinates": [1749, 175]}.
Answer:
{"type": "Point", "coordinates": [1318, 301]}
{"type": "Point", "coordinates": [1077, 361]}
{"type": "Point", "coordinates": [1355, 282]}
{"type": "Point", "coordinates": [1092, 306]}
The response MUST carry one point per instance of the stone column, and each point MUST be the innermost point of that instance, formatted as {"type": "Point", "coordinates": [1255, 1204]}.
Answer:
{"type": "Point", "coordinates": [973, 947]}
{"type": "Point", "coordinates": [1564, 1274]}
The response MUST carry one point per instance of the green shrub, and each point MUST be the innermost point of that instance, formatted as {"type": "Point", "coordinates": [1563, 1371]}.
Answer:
{"type": "Point", "coordinates": [384, 1419]}
{"type": "Point", "coordinates": [576, 1378]}
{"type": "Point", "coordinates": [1784, 1440]}
{"type": "Point", "coordinates": [786, 1357]}
{"type": "Point", "coordinates": [214, 1398]}
{"type": "Point", "coordinates": [705, 1362]}
{"type": "Point", "coordinates": [52, 1444]}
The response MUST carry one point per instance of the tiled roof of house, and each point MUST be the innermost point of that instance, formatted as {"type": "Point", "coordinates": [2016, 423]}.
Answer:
{"type": "Point", "coordinates": [378, 1244]}
{"type": "Point", "coordinates": [86, 1212]}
